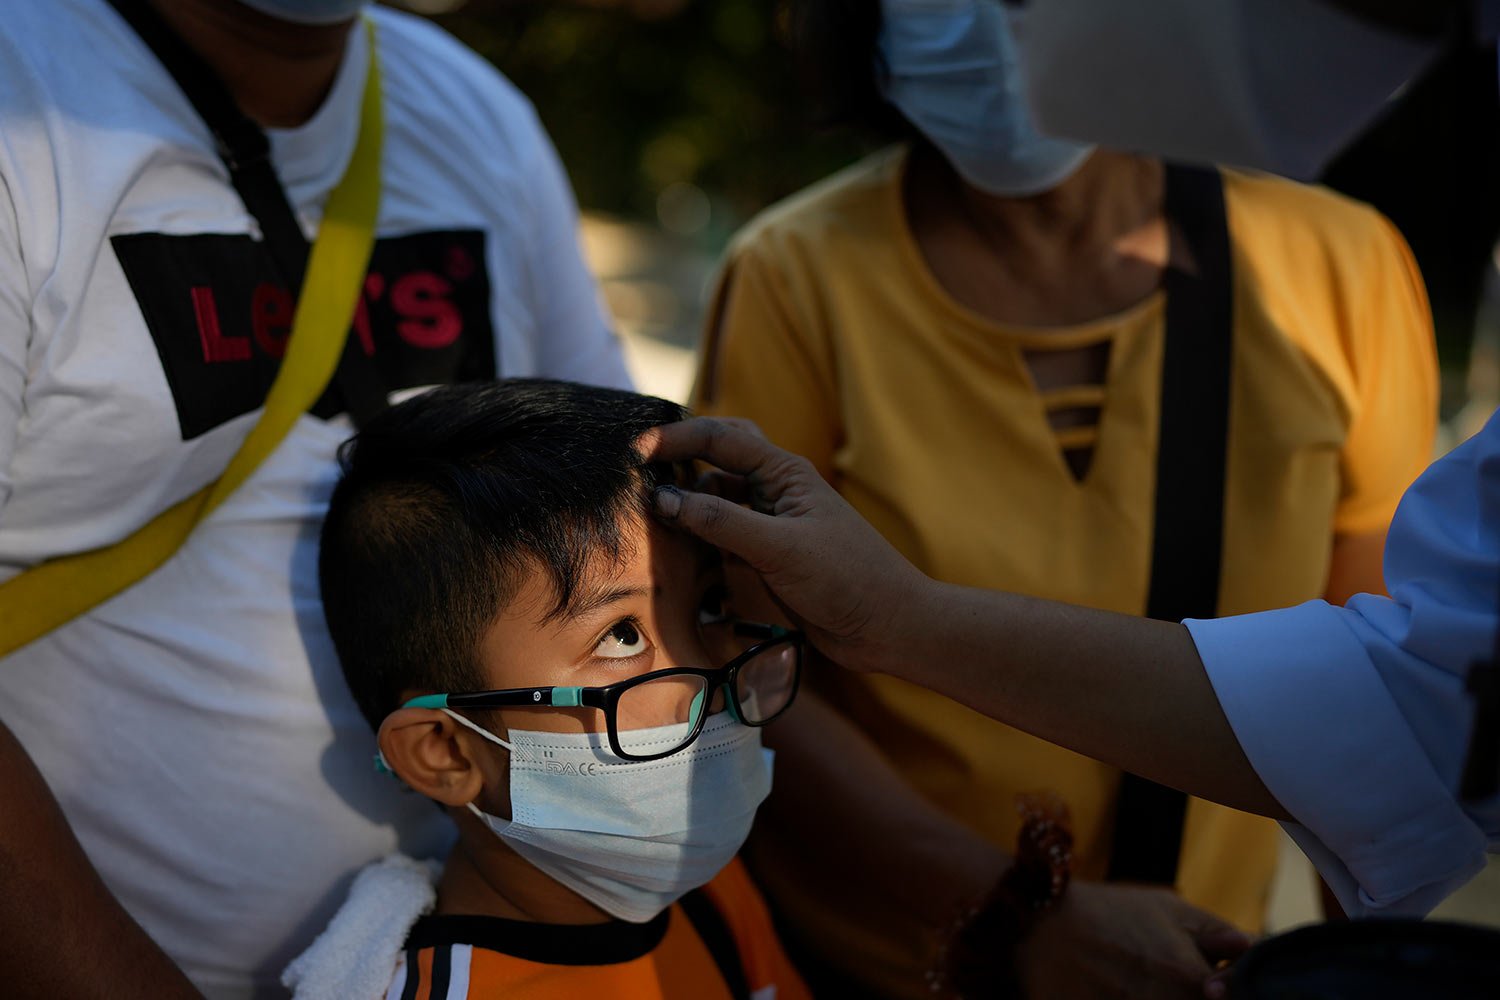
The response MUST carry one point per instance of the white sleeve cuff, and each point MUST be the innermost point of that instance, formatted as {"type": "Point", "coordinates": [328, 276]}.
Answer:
{"type": "Point", "coordinates": [1321, 729]}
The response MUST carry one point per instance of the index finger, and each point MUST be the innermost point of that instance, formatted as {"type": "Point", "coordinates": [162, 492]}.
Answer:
{"type": "Point", "coordinates": [732, 446]}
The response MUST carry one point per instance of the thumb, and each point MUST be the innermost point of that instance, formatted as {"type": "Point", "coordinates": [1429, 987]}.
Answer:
{"type": "Point", "coordinates": [721, 523]}
{"type": "Point", "coordinates": [1216, 986]}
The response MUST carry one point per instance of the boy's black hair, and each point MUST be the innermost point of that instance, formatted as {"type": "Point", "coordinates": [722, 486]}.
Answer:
{"type": "Point", "coordinates": [449, 498]}
{"type": "Point", "coordinates": [835, 46]}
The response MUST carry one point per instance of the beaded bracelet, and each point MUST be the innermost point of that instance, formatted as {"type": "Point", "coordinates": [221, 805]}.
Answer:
{"type": "Point", "coordinates": [977, 955]}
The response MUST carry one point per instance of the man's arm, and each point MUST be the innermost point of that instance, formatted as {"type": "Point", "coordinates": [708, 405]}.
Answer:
{"type": "Point", "coordinates": [64, 934]}
{"type": "Point", "coordinates": [1125, 690]}
{"type": "Point", "coordinates": [1128, 691]}
{"type": "Point", "coordinates": [1355, 566]}
{"type": "Point", "coordinates": [1356, 716]}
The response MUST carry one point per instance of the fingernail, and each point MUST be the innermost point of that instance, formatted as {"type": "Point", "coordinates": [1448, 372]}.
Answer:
{"type": "Point", "coordinates": [668, 502]}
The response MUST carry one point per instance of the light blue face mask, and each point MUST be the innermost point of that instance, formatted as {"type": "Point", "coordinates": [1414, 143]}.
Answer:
{"type": "Point", "coordinates": [308, 11]}
{"type": "Point", "coordinates": [955, 73]}
{"type": "Point", "coordinates": [631, 837]}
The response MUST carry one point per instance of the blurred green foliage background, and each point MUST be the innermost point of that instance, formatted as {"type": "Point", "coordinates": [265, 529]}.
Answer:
{"type": "Point", "coordinates": [683, 113]}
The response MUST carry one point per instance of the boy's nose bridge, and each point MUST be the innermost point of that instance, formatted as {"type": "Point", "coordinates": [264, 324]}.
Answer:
{"type": "Point", "coordinates": [726, 643]}
{"type": "Point", "coordinates": [699, 647]}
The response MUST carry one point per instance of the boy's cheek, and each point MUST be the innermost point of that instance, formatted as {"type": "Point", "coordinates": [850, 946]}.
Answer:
{"type": "Point", "coordinates": [495, 799]}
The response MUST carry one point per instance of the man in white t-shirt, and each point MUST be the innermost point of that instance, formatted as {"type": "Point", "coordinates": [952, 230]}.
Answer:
{"type": "Point", "coordinates": [195, 728]}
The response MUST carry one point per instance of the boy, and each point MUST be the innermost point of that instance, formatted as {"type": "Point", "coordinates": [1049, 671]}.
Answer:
{"type": "Point", "coordinates": [560, 675]}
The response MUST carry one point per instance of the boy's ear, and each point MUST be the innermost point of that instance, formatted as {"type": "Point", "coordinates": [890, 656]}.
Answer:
{"type": "Point", "coordinates": [425, 748]}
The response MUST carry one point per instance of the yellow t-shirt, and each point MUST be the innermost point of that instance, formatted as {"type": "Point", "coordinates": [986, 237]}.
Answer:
{"type": "Point", "coordinates": [831, 333]}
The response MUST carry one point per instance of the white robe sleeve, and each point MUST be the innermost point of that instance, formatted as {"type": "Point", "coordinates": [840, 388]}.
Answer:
{"type": "Point", "coordinates": [1357, 718]}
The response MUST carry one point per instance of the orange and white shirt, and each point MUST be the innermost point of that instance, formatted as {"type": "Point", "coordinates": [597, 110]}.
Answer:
{"type": "Point", "coordinates": [717, 943]}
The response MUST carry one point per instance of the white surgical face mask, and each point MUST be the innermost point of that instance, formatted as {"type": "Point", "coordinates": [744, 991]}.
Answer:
{"type": "Point", "coordinates": [631, 837]}
{"type": "Point", "coordinates": [1275, 84]}
{"type": "Point", "coordinates": [308, 11]}
{"type": "Point", "coordinates": [955, 74]}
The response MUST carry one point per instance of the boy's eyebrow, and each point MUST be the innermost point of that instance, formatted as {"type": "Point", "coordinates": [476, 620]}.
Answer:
{"type": "Point", "coordinates": [587, 602]}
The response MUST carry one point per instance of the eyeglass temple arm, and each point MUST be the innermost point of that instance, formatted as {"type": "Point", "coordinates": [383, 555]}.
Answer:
{"type": "Point", "coordinates": [558, 697]}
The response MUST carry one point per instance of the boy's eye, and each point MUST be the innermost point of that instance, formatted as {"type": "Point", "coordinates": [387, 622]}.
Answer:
{"type": "Point", "coordinates": [622, 640]}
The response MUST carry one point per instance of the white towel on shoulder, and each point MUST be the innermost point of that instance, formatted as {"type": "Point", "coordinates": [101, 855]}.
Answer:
{"type": "Point", "coordinates": [355, 957]}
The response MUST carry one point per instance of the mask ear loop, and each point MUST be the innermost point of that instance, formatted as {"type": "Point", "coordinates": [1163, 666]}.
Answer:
{"type": "Point", "coordinates": [477, 728]}
{"type": "Point", "coordinates": [479, 814]}
{"type": "Point", "coordinates": [383, 766]}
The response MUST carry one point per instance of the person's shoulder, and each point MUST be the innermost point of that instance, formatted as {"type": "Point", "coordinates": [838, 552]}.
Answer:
{"type": "Point", "coordinates": [1334, 277]}
{"type": "Point", "coordinates": [19, 25]}
{"type": "Point", "coordinates": [1276, 215]}
{"type": "Point", "coordinates": [415, 51]}
{"type": "Point", "coordinates": [33, 36]}
{"type": "Point", "coordinates": [855, 206]}
{"type": "Point", "coordinates": [36, 20]}
{"type": "Point", "coordinates": [427, 71]}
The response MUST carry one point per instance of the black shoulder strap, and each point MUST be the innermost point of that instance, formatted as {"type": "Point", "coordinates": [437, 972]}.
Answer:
{"type": "Point", "coordinates": [711, 927]}
{"type": "Point", "coordinates": [1188, 537]}
{"type": "Point", "coordinates": [246, 151]}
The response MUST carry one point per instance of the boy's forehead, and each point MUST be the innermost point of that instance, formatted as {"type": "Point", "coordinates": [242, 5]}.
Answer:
{"type": "Point", "coordinates": [650, 559]}
{"type": "Point", "coordinates": [650, 554]}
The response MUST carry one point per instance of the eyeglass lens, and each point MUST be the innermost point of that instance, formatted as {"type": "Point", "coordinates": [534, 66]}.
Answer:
{"type": "Point", "coordinates": [764, 686]}
{"type": "Point", "coordinates": [677, 699]}
{"type": "Point", "coordinates": [766, 682]}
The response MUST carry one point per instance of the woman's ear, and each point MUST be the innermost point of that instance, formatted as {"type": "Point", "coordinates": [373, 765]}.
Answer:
{"type": "Point", "coordinates": [425, 748]}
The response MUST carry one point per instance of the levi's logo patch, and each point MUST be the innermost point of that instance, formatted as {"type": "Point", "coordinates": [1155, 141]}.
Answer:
{"type": "Point", "coordinates": [220, 316]}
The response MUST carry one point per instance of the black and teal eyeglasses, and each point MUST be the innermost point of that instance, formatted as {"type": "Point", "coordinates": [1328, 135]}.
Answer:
{"type": "Point", "coordinates": [759, 684]}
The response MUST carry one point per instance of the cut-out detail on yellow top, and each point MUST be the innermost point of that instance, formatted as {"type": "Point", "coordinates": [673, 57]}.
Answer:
{"type": "Point", "coordinates": [1071, 396]}
{"type": "Point", "coordinates": [1077, 437]}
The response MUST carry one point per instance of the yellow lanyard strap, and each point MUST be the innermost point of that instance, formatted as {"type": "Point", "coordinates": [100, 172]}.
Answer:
{"type": "Point", "coordinates": [58, 590]}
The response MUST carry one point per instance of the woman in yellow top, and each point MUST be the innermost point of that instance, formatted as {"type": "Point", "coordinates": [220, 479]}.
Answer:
{"type": "Point", "coordinates": [965, 334]}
